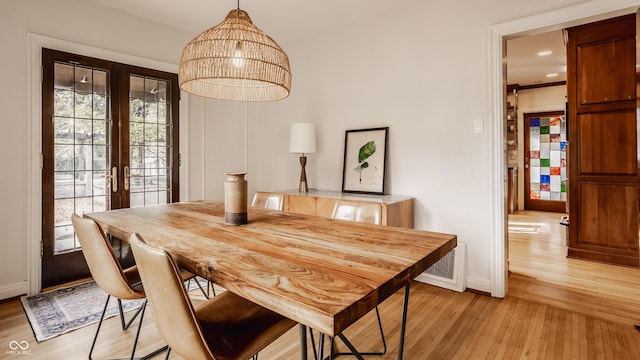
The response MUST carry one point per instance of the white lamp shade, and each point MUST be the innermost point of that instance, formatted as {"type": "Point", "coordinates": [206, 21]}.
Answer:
{"type": "Point", "coordinates": [302, 139]}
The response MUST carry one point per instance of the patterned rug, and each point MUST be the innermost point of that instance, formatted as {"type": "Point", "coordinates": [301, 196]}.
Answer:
{"type": "Point", "coordinates": [59, 311]}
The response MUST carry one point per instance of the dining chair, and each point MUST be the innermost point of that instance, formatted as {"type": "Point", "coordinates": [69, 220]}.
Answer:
{"type": "Point", "coordinates": [360, 211]}
{"type": "Point", "coordinates": [366, 212]}
{"type": "Point", "coordinates": [267, 200]}
{"type": "Point", "coordinates": [122, 284]}
{"type": "Point", "coordinates": [224, 327]}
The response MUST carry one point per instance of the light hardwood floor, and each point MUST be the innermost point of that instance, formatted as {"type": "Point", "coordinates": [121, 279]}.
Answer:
{"type": "Point", "coordinates": [557, 308]}
{"type": "Point", "coordinates": [540, 271]}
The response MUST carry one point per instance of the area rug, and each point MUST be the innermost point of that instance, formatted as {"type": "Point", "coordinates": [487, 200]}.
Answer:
{"type": "Point", "coordinates": [59, 311]}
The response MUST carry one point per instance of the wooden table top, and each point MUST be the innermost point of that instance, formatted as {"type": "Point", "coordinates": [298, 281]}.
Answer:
{"type": "Point", "coordinates": [321, 272]}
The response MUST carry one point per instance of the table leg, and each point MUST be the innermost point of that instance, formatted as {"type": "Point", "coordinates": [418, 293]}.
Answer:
{"type": "Point", "coordinates": [403, 327]}
{"type": "Point", "coordinates": [352, 348]}
{"type": "Point", "coordinates": [321, 346]}
{"type": "Point", "coordinates": [405, 308]}
{"type": "Point", "coordinates": [404, 320]}
{"type": "Point", "coordinates": [303, 341]}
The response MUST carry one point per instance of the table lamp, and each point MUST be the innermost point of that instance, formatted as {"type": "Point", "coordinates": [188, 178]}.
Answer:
{"type": "Point", "coordinates": [302, 141]}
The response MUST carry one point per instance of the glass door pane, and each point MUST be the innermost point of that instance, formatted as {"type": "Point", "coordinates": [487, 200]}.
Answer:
{"type": "Point", "coordinates": [150, 134]}
{"type": "Point", "coordinates": [547, 158]}
{"type": "Point", "coordinates": [81, 147]}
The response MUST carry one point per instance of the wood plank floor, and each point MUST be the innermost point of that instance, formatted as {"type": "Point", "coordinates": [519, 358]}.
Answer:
{"type": "Point", "coordinates": [552, 311]}
{"type": "Point", "coordinates": [540, 271]}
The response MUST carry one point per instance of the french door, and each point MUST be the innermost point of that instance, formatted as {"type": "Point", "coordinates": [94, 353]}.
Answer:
{"type": "Point", "coordinates": [545, 161]}
{"type": "Point", "coordinates": [109, 141]}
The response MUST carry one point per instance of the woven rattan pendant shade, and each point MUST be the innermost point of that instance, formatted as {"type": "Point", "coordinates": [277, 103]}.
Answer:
{"type": "Point", "coordinates": [235, 60]}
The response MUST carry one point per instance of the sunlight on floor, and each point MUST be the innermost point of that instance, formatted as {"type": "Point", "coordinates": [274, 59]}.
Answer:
{"type": "Point", "coordinates": [528, 227]}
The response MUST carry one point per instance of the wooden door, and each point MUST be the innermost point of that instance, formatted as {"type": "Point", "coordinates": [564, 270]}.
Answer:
{"type": "Point", "coordinates": [545, 160]}
{"type": "Point", "coordinates": [603, 170]}
{"type": "Point", "coordinates": [108, 141]}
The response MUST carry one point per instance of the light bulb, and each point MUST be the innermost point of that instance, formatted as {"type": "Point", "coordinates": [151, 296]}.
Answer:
{"type": "Point", "coordinates": [238, 60]}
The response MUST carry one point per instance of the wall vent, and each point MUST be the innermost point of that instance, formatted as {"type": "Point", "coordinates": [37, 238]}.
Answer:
{"type": "Point", "coordinates": [448, 272]}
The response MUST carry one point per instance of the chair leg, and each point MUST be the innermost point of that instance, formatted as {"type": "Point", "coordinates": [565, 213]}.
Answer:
{"type": "Point", "coordinates": [135, 342]}
{"type": "Point", "coordinates": [204, 292]}
{"type": "Point", "coordinates": [140, 311]}
{"type": "Point", "coordinates": [133, 317]}
{"type": "Point", "coordinates": [318, 354]}
{"type": "Point", "coordinates": [93, 344]}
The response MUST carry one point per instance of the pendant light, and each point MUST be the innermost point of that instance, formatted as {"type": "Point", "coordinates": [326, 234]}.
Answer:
{"type": "Point", "coordinates": [235, 60]}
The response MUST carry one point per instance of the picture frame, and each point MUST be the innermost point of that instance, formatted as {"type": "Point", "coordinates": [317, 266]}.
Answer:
{"type": "Point", "coordinates": [364, 166]}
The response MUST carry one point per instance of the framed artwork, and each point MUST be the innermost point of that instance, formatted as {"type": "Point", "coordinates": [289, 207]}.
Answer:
{"type": "Point", "coordinates": [365, 154]}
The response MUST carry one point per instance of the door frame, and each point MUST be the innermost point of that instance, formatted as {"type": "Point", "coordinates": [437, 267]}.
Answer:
{"type": "Point", "coordinates": [36, 42]}
{"type": "Point", "coordinates": [498, 35]}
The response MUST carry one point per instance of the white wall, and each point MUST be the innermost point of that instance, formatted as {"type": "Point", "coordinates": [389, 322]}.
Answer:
{"type": "Point", "coordinates": [89, 27]}
{"type": "Point", "coordinates": [531, 101]}
{"type": "Point", "coordinates": [421, 70]}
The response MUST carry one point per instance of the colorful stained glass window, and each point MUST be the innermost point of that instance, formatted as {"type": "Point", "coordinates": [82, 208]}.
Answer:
{"type": "Point", "coordinates": [548, 158]}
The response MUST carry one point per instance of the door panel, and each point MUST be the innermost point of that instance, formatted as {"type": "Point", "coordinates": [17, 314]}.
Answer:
{"type": "Point", "coordinates": [545, 161]}
{"type": "Point", "coordinates": [595, 227]}
{"type": "Point", "coordinates": [608, 83]}
{"type": "Point", "coordinates": [87, 106]}
{"type": "Point", "coordinates": [599, 150]}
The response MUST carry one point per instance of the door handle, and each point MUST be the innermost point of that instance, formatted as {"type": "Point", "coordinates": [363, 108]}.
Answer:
{"type": "Point", "coordinates": [127, 176]}
{"type": "Point", "coordinates": [114, 179]}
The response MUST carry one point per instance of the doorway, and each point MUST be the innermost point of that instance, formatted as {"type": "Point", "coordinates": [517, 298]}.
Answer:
{"type": "Point", "coordinates": [498, 35]}
{"type": "Point", "coordinates": [108, 142]}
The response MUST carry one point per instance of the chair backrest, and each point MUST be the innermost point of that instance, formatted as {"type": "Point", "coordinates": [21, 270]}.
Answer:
{"type": "Point", "coordinates": [103, 264]}
{"type": "Point", "coordinates": [273, 201]}
{"type": "Point", "coordinates": [172, 310]}
{"type": "Point", "coordinates": [360, 211]}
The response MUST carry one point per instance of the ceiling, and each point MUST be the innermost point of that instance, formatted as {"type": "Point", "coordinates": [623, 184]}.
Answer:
{"type": "Point", "coordinates": [283, 20]}
{"type": "Point", "coordinates": [290, 20]}
{"type": "Point", "coordinates": [525, 67]}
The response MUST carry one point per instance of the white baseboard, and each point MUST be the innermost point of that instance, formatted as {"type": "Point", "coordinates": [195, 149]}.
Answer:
{"type": "Point", "coordinates": [13, 290]}
{"type": "Point", "coordinates": [478, 284]}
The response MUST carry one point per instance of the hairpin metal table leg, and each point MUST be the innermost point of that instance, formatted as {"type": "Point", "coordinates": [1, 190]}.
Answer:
{"type": "Point", "coordinates": [319, 354]}
{"type": "Point", "coordinates": [404, 320]}
{"type": "Point", "coordinates": [303, 341]}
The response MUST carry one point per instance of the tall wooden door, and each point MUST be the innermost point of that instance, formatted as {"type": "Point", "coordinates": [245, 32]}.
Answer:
{"type": "Point", "coordinates": [109, 140]}
{"type": "Point", "coordinates": [545, 159]}
{"type": "Point", "coordinates": [603, 168]}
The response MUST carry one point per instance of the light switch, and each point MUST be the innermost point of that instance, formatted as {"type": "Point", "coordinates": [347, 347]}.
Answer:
{"type": "Point", "coordinates": [477, 126]}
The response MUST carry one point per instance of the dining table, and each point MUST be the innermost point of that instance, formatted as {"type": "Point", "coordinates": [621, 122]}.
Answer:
{"type": "Point", "coordinates": [323, 273]}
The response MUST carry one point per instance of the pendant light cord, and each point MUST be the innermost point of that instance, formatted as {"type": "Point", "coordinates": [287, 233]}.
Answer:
{"type": "Point", "coordinates": [238, 4]}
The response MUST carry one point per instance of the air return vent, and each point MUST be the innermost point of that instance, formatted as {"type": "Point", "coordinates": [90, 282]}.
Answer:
{"type": "Point", "coordinates": [448, 272]}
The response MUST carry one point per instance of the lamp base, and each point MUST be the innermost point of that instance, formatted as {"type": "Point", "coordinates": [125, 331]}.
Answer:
{"type": "Point", "coordinates": [303, 187]}
{"type": "Point", "coordinates": [303, 175]}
